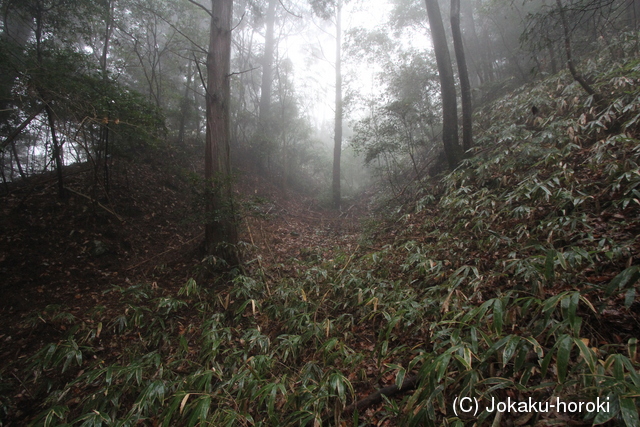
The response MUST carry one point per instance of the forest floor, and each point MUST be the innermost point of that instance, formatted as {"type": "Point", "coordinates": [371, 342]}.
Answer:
{"type": "Point", "coordinates": [67, 255]}
{"type": "Point", "coordinates": [514, 277]}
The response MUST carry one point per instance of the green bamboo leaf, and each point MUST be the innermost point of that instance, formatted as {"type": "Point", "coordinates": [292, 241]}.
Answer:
{"type": "Point", "coordinates": [551, 303]}
{"type": "Point", "coordinates": [536, 346]}
{"type": "Point", "coordinates": [442, 363]}
{"type": "Point", "coordinates": [628, 277]}
{"type": "Point", "coordinates": [466, 355]}
{"type": "Point", "coordinates": [510, 349]}
{"type": "Point", "coordinates": [498, 316]}
{"type": "Point", "coordinates": [521, 357]}
{"type": "Point", "coordinates": [498, 344]}
{"type": "Point", "coordinates": [631, 370]}
{"type": "Point", "coordinates": [474, 339]}
{"type": "Point", "coordinates": [629, 412]}
{"type": "Point", "coordinates": [618, 367]}
{"type": "Point", "coordinates": [588, 303]}
{"type": "Point", "coordinates": [201, 411]}
{"type": "Point", "coordinates": [546, 361]}
{"type": "Point", "coordinates": [400, 377]}
{"type": "Point", "coordinates": [549, 265]}
{"type": "Point", "coordinates": [564, 353]}
{"type": "Point", "coordinates": [54, 414]}
{"type": "Point", "coordinates": [611, 409]}
{"type": "Point", "coordinates": [629, 297]}
{"type": "Point", "coordinates": [587, 354]}
{"type": "Point", "coordinates": [562, 260]}
{"type": "Point", "coordinates": [572, 303]}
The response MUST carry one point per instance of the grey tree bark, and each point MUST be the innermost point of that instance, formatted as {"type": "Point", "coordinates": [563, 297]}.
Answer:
{"type": "Point", "coordinates": [266, 87]}
{"type": "Point", "coordinates": [463, 75]}
{"type": "Point", "coordinates": [220, 229]}
{"type": "Point", "coordinates": [452, 149]}
{"type": "Point", "coordinates": [337, 140]}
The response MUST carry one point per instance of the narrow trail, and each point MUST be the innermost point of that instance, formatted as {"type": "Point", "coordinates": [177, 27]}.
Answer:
{"type": "Point", "coordinates": [283, 228]}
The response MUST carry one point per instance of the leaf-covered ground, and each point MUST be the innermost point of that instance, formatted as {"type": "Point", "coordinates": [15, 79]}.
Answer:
{"type": "Point", "coordinates": [513, 278]}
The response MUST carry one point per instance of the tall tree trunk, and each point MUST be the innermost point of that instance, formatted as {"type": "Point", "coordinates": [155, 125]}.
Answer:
{"type": "Point", "coordinates": [56, 152]}
{"type": "Point", "coordinates": [220, 228]}
{"type": "Point", "coordinates": [337, 140]}
{"type": "Point", "coordinates": [264, 107]}
{"type": "Point", "coordinates": [452, 148]}
{"type": "Point", "coordinates": [473, 43]}
{"type": "Point", "coordinates": [57, 155]}
{"type": "Point", "coordinates": [104, 127]}
{"type": "Point", "coordinates": [463, 74]}
{"type": "Point", "coordinates": [567, 48]}
{"type": "Point", "coordinates": [186, 105]}
{"type": "Point", "coordinates": [14, 151]}
{"type": "Point", "coordinates": [108, 30]}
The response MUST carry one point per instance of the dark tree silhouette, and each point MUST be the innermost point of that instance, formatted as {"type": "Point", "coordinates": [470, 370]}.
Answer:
{"type": "Point", "coordinates": [452, 148]}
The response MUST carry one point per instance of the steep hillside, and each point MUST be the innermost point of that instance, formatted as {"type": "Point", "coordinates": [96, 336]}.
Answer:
{"type": "Point", "coordinates": [512, 280]}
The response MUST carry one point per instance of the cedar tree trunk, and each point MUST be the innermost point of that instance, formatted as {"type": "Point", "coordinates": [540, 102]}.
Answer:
{"type": "Point", "coordinates": [337, 140]}
{"type": "Point", "coordinates": [463, 74]}
{"type": "Point", "coordinates": [264, 110]}
{"type": "Point", "coordinates": [220, 228]}
{"type": "Point", "coordinates": [452, 148]}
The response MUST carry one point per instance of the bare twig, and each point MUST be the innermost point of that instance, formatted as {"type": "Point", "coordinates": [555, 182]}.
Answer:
{"type": "Point", "coordinates": [242, 72]}
{"type": "Point", "coordinates": [288, 11]}
{"type": "Point", "coordinates": [201, 7]}
{"type": "Point", "coordinates": [97, 203]}
{"type": "Point", "coordinates": [20, 128]}
{"type": "Point", "coordinates": [240, 21]}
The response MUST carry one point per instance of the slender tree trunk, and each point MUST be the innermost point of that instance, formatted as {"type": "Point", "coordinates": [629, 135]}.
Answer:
{"type": "Point", "coordinates": [105, 134]}
{"type": "Point", "coordinates": [473, 43]}
{"type": "Point", "coordinates": [56, 152]}
{"type": "Point", "coordinates": [57, 156]}
{"type": "Point", "coordinates": [14, 151]}
{"type": "Point", "coordinates": [107, 37]}
{"type": "Point", "coordinates": [337, 140]}
{"type": "Point", "coordinates": [567, 48]}
{"type": "Point", "coordinates": [452, 148]}
{"type": "Point", "coordinates": [264, 107]}
{"type": "Point", "coordinates": [186, 104]}
{"type": "Point", "coordinates": [220, 229]}
{"type": "Point", "coordinates": [4, 178]}
{"type": "Point", "coordinates": [463, 74]}
{"type": "Point", "coordinates": [487, 63]}
{"type": "Point", "coordinates": [104, 127]}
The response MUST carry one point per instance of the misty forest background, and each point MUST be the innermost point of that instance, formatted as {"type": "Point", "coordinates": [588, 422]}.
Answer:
{"type": "Point", "coordinates": [320, 212]}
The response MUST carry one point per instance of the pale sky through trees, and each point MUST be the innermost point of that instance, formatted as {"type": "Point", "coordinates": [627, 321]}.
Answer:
{"type": "Point", "coordinates": [312, 52]}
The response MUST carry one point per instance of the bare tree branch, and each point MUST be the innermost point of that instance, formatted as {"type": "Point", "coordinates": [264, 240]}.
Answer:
{"type": "Point", "coordinates": [288, 11]}
{"type": "Point", "coordinates": [201, 7]}
{"type": "Point", "coordinates": [237, 73]}
{"type": "Point", "coordinates": [239, 22]}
